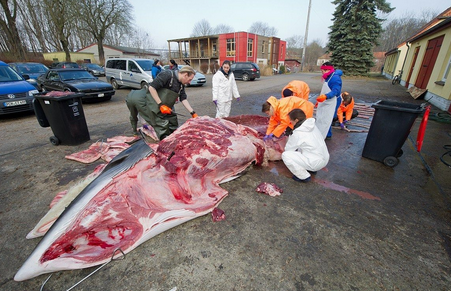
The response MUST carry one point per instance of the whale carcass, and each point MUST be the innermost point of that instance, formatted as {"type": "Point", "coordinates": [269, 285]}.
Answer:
{"type": "Point", "coordinates": [143, 192]}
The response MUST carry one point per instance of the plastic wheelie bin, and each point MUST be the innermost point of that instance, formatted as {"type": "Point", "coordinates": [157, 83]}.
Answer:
{"type": "Point", "coordinates": [64, 114]}
{"type": "Point", "coordinates": [390, 127]}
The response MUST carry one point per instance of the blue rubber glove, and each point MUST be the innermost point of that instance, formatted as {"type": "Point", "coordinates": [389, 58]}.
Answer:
{"type": "Point", "coordinates": [345, 121]}
{"type": "Point", "coordinates": [215, 102]}
{"type": "Point", "coordinates": [342, 126]}
{"type": "Point", "coordinates": [238, 99]}
{"type": "Point", "coordinates": [268, 137]}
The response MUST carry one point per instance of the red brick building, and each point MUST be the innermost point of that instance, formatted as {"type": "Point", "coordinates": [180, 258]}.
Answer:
{"type": "Point", "coordinates": [204, 51]}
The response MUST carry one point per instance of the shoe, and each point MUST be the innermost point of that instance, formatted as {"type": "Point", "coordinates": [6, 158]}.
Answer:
{"type": "Point", "coordinates": [301, 180]}
{"type": "Point", "coordinates": [312, 172]}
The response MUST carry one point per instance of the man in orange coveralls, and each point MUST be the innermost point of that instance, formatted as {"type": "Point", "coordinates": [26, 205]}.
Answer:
{"type": "Point", "coordinates": [278, 111]}
{"type": "Point", "coordinates": [296, 88]}
{"type": "Point", "coordinates": [346, 110]}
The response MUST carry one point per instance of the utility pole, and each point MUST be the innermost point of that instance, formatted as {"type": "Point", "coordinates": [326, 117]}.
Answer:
{"type": "Point", "coordinates": [306, 35]}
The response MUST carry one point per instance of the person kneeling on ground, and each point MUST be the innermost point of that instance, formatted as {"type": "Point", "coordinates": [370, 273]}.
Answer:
{"type": "Point", "coordinates": [346, 110]}
{"type": "Point", "coordinates": [306, 151]}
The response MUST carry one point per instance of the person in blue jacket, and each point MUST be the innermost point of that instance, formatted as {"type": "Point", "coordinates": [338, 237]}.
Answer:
{"type": "Point", "coordinates": [156, 69]}
{"type": "Point", "coordinates": [327, 100]}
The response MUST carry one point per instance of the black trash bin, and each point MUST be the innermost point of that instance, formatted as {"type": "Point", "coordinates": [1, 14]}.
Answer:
{"type": "Point", "coordinates": [390, 127]}
{"type": "Point", "coordinates": [39, 113]}
{"type": "Point", "coordinates": [65, 116]}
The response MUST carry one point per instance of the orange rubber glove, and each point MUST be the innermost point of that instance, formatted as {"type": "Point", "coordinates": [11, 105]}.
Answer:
{"type": "Point", "coordinates": [194, 114]}
{"type": "Point", "coordinates": [165, 109]}
{"type": "Point", "coordinates": [321, 98]}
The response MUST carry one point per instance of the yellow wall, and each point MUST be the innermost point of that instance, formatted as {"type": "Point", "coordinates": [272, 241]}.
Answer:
{"type": "Point", "coordinates": [442, 89]}
{"type": "Point", "coordinates": [61, 56]}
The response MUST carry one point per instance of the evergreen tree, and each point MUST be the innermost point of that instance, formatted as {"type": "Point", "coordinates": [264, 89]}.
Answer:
{"type": "Point", "coordinates": [354, 33]}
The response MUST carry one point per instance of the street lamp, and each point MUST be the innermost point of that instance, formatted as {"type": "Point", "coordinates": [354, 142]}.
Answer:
{"type": "Point", "coordinates": [306, 35]}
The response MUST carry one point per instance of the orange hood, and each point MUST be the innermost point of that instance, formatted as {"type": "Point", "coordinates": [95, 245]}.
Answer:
{"type": "Point", "coordinates": [299, 88]}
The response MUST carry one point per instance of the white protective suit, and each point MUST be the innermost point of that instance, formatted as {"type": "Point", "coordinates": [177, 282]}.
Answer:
{"type": "Point", "coordinates": [223, 89]}
{"type": "Point", "coordinates": [325, 111]}
{"type": "Point", "coordinates": [305, 150]}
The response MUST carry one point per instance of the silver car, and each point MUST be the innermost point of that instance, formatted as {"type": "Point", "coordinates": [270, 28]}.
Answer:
{"type": "Point", "coordinates": [198, 80]}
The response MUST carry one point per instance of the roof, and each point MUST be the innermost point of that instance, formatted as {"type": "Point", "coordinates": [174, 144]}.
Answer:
{"type": "Point", "coordinates": [325, 56]}
{"type": "Point", "coordinates": [442, 25]}
{"type": "Point", "coordinates": [433, 25]}
{"type": "Point", "coordinates": [292, 60]}
{"type": "Point", "coordinates": [194, 38]}
{"type": "Point", "coordinates": [124, 49]}
{"type": "Point", "coordinates": [378, 55]}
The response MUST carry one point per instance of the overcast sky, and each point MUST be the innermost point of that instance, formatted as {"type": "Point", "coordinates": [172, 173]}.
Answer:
{"type": "Point", "coordinates": [176, 18]}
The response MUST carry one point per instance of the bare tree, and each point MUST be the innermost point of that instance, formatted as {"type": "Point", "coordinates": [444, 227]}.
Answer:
{"type": "Point", "coordinates": [117, 36]}
{"type": "Point", "coordinates": [294, 46]}
{"type": "Point", "coordinates": [264, 29]}
{"type": "Point", "coordinates": [61, 17]}
{"type": "Point", "coordinates": [400, 29]}
{"type": "Point", "coordinates": [223, 28]}
{"type": "Point", "coordinates": [9, 29]}
{"type": "Point", "coordinates": [313, 52]}
{"type": "Point", "coordinates": [100, 15]}
{"type": "Point", "coordinates": [295, 41]}
{"type": "Point", "coordinates": [140, 39]}
{"type": "Point", "coordinates": [202, 28]}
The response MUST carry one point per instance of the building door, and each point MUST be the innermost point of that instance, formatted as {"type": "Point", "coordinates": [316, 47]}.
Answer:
{"type": "Point", "coordinates": [427, 66]}
{"type": "Point", "coordinates": [412, 66]}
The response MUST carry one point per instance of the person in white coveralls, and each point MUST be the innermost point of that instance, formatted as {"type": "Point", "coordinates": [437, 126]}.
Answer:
{"type": "Point", "coordinates": [306, 151]}
{"type": "Point", "coordinates": [224, 89]}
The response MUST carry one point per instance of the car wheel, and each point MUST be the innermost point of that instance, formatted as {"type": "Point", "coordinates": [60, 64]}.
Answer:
{"type": "Point", "coordinates": [144, 85]}
{"type": "Point", "coordinates": [245, 77]}
{"type": "Point", "coordinates": [114, 84]}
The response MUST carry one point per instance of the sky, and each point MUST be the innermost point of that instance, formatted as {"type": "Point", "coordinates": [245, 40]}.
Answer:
{"type": "Point", "coordinates": [178, 18]}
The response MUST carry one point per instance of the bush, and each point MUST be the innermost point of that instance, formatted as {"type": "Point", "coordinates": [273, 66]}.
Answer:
{"type": "Point", "coordinates": [282, 69]}
{"type": "Point", "coordinates": [266, 70]}
{"type": "Point", "coordinates": [204, 68]}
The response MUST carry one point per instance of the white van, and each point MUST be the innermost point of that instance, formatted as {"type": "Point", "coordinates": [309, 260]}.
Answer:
{"type": "Point", "coordinates": [134, 73]}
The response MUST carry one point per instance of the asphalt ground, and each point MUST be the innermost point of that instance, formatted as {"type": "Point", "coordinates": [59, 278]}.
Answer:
{"type": "Point", "coordinates": [359, 225]}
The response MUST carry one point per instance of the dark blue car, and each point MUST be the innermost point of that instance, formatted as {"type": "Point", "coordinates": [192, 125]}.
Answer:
{"type": "Point", "coordinates": [30, 71]}
{"type": "Point", "coordinates": [16, 94]}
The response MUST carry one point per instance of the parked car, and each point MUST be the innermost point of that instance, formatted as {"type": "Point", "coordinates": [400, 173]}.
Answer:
{"type": "Point", "coordinates": [16, 94]}
{"type": "Point", "coordinates": [66, 65]}
{"type": "Point", "coordinates": [245, 71]}
{"type": "Point", "coordinates": [76, 80]}
{"type": "Point", "coordinates": [93, 69]}
{"type": "Point", "coordinates": [134, 73]}
{"type": "Point", "coordinates": [198, 80]}
{"type": "Point", "coordinates": [32, 70]}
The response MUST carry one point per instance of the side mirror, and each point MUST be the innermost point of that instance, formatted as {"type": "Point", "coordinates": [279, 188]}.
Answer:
{"type": "Point", "coordinates": [26, 77]}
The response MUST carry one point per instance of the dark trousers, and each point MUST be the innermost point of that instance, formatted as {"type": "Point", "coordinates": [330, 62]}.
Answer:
{"type": "Point", "coordinates": [355, 113]}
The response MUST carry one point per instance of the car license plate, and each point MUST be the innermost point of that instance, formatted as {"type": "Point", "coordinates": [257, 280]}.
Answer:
{"type": "Point", "coordinates": [101, 95]}
{"type": "Point", "coordinates": [15, 103]}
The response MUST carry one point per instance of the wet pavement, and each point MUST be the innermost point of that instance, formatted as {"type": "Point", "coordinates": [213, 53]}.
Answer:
{"type": "Point", "coordinates": [359, 225]}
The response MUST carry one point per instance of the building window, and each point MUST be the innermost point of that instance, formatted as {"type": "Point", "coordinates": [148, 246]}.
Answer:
{"type": "Point", "coordinates": [250, 47]}
{"type": "Point", "coordinates": [230, 47]}
{"type": "Point", "coordinates": [263, 47]}
{"type": "Point", "coordinates": [448, 69]}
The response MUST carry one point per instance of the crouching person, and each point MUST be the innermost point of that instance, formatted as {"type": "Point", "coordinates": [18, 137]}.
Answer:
{"type": "Point", "coordinates": [306, 151]}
